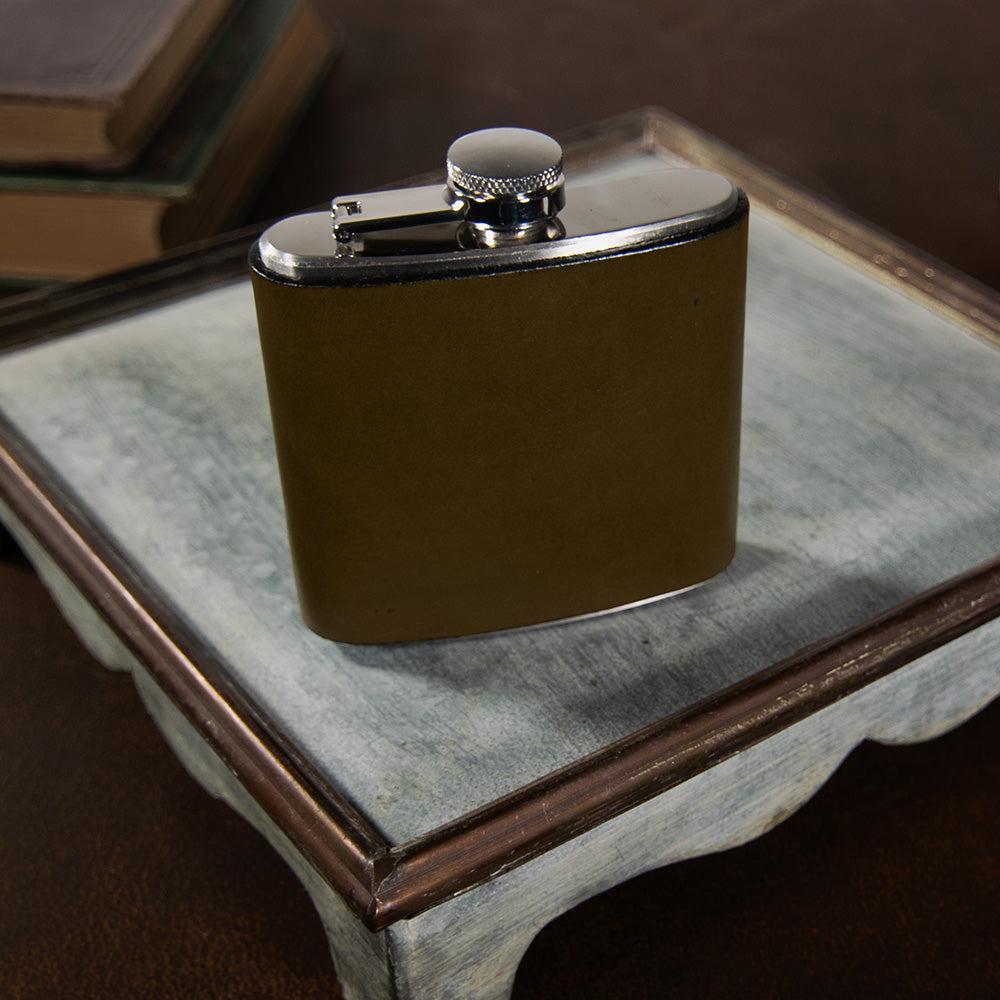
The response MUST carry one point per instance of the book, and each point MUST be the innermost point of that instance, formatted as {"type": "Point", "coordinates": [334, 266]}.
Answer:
{"type": "Point", "coordinates": [200, 169]}
{"type": "Point", "coordinates": [86, 82]}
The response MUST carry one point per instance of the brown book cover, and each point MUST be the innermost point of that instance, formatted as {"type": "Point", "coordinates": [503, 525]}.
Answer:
{"type": "Point", "coordinates": [86, 82]}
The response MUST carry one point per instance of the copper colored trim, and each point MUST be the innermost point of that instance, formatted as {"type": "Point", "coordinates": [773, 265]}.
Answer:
{"type": "Point", "coordinates": [383, 883]}
{"type": "Point", "coordinates": [639, 767]}
{"type": "Point", "coordinates": [867, 248]}
{"type": "Point", "coordinates": [326, 829]}
{"type": "Point", "coordinates": [46, 313]}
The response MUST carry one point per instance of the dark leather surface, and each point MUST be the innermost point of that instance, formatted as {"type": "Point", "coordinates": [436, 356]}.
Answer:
{"type": "Point", "coordinates": [119, 877]}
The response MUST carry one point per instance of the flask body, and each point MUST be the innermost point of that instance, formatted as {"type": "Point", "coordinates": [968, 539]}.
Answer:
{"type": "Point", "coordinates": [508, 446]}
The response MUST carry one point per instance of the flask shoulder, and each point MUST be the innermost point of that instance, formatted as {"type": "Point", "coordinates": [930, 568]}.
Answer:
{"type": "Point", "coordinates": [648, 209]}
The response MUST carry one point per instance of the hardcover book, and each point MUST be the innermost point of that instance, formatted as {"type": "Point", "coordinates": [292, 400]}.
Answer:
{"type": "Point", "coordinates": [86, 83]}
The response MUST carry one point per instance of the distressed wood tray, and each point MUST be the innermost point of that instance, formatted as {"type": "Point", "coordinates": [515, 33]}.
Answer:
{"type": "Point", "coordinates": [430, 794]}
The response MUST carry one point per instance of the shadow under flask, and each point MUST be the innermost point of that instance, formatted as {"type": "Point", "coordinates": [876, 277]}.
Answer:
{"type": "Point", "coordinates": [505, 399]}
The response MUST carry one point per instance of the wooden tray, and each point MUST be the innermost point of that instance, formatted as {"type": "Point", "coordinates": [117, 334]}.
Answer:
{"type": "Point", "coordinates": [431, 781]}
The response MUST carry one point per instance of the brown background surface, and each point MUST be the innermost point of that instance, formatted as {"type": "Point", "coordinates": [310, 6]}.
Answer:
{"type": "Point", "coordinates": [119, 877]}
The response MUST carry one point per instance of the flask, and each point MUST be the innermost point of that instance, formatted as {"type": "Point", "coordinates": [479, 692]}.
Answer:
{"type": "Point", "coordinates": [506, 399]}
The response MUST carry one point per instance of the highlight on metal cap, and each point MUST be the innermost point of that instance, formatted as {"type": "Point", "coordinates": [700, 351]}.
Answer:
{"type": "Point", "coordinates": [505, 163]}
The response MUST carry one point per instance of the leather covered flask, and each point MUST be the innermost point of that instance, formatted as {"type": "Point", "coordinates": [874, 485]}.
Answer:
{"type": "Point", "coordinates": [505, 399]}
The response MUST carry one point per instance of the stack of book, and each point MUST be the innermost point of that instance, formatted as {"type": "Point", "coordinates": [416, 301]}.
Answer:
{"type": "Point", "coordinates": [128, 127]}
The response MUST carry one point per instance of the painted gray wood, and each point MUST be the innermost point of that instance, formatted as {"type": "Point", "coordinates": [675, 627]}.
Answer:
{"type": "Point", "coordinates": [468, 947]}
{"type": "Point", "coordinates": [870, 472]}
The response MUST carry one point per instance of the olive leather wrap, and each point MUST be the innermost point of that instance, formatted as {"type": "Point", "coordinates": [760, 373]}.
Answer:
{"type": "Point", "coordinates": [471, 454]}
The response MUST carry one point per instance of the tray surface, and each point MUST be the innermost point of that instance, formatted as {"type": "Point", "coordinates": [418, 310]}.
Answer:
{"type": "Point", "coordinates": [875, 415]}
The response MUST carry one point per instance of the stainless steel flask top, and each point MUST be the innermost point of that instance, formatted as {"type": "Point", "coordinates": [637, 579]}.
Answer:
{"type": "Point", "coordinates": [505, 185]}
{"type": "Point", "coordinates": [504, 191]}
{"type": "Point", "coordinates": [511, 181]}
